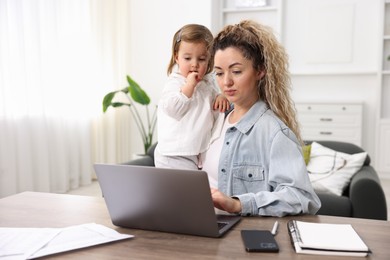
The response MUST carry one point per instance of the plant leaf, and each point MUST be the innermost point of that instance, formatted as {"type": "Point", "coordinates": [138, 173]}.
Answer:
{"type": "Point", "coordinates": [119, 104]}
{"type": "Point", "coordinates": [125, 90]}
{"type": "Point", "coordinates": [137, 93]}
{"type": "Point", "coordinates": [107, 100]}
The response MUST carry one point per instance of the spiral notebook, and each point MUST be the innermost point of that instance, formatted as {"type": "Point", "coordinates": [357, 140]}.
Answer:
{"type": "Point", "coordinates": [326, 239]}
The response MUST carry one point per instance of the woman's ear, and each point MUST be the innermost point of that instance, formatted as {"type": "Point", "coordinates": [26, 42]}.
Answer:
{"type": "Point", "coordinates": [260, 74]}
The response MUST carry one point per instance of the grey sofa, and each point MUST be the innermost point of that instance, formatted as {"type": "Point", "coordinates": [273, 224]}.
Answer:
{"type": "Point", "coordinates": [364, 198]}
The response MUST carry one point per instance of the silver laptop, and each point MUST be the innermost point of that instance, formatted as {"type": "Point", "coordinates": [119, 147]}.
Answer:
{"type": "Point", "coordinates": [168, 200]}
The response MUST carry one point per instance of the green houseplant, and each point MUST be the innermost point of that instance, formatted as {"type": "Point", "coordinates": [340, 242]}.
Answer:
{"type": "Point", "coordinates": [135, 94]}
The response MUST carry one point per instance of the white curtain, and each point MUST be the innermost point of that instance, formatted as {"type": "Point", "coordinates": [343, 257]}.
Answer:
{"type": "Point", "coordinates": [58, 58]}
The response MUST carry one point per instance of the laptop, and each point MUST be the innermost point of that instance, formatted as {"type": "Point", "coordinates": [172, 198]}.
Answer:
{"type": "Point", "coordinates": [168, 200]}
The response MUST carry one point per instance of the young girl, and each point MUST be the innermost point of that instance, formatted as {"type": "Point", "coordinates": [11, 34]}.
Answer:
{"type": "Point", "coordinates": [190, 102]}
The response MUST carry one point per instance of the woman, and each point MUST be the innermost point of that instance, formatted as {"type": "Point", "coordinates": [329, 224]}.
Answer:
{"type": "Point", "coordinates": [260, 168]}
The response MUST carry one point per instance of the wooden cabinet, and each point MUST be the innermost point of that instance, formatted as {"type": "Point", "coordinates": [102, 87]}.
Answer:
{"type": "Point", "coordinates": [334, 122]}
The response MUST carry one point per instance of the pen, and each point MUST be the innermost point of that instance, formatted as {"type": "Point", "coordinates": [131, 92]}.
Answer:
{"type": "Point", "coordinates": [275, 228]}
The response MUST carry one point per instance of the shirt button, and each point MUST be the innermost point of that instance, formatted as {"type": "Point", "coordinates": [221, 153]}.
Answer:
{"type": "Point", "coordinates": [223, 170]}
{"type": "Point", "coordinates": [227, 143]}
{"type": "Point", "coordinates": [250, 175]}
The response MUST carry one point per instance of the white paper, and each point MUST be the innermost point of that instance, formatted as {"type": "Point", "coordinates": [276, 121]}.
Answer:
{"type": "Point", "coordinates": [28, 243]}
{"type": "Point", "coordinates": [330, 236]}
{"type": "Point", "coordinates": [20, 243]}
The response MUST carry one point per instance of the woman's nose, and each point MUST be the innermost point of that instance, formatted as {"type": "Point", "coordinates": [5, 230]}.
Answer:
{"type": "Point", "coordinates": [227, 80]}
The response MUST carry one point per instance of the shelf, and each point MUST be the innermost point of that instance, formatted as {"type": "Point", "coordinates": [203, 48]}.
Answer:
{"type": "Point", "coordinates": [333, 73]}
{"type": "Point", "coordinates": [256, 9]}
{"type": "Point", "coordinates": [269, 15]}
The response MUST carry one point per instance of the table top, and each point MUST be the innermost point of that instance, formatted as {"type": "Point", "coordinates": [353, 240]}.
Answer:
{"type": "Point", "coordinates": [35, 209]}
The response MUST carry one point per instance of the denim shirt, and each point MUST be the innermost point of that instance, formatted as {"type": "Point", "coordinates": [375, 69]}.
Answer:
{"type": "Point", "coordinates": [262, 165]}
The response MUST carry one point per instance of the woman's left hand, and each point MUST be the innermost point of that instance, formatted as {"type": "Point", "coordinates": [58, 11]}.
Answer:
{"type": "Point", "coordinates": [226, 203]}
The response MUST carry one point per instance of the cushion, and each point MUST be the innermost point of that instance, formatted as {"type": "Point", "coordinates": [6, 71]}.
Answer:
{"type": "Point", "coordinates": [306, 152]}
{"type": "Point", "coordinates": [331, 171]}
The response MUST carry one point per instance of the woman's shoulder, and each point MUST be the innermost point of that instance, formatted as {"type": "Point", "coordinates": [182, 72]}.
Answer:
{"type": "Point", "coordinates": [262, 113]}
{"type": "Point", "coordinates": [273, 119]}
{"type": "Point", "coordinates": [277, 127]}
{"type": "Point", "coordinates": [269, 122]}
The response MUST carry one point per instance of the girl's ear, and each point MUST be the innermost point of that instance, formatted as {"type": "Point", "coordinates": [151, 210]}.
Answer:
{"type": "Point", "coordinates": [176, 57]}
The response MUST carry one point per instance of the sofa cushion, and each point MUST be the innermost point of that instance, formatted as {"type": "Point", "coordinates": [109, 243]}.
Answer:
{"type": "Point", "coordinates": [343, 147]}
{"type": "Point", "coordinates": [306, 152]}
{"type": "Point", "coordinates": [331, 171]}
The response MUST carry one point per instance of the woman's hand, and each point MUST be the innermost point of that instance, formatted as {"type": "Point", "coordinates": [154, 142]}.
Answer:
{"type": "Point", "coordinates": [226, 203]}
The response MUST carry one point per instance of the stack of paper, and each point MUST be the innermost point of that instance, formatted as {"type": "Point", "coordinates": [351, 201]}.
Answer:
{"type": "Point", "coordinates": [28, 243]}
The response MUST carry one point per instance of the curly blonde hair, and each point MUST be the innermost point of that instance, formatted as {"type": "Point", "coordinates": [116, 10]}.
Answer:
{"type": "Point", "coordinates": [193, 33]}
{"type": "Point", "coordinates": [258, 44]}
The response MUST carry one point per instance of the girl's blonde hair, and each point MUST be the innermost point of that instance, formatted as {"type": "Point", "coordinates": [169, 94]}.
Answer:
{"type": "Point", "coordinates": [193, 33]}
{"type": "Point", "coordinates": [258, 44]}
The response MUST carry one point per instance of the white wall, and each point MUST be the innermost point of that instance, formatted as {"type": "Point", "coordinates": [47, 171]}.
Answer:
{"type": "Point", "coordinates": [153, 24]}
{"type": "Point", "coordinates": [335, 55]}
{"type": "Point", "coordinates": [348, 72]}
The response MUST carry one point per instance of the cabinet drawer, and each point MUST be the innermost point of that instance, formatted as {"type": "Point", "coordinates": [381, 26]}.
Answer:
{"type": "Point", "coordinates": [351, 135]}
{"type": "Point", "coordinates": [322, 119]}
{"type": "Point", "coordinates": [333, 122]}
{"type": "Point", "coordinates": [329, 108]}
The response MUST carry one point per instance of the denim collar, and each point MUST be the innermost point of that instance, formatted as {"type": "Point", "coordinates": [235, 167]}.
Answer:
{"type": "Point", "coordinates": [252, 116]}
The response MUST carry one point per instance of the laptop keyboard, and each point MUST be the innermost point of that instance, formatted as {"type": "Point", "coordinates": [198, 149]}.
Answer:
{"type": "Point", "coordinates": [221, 225]}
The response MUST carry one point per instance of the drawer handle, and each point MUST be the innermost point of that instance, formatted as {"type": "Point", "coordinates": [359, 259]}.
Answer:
{"type": "Point", "coordinates": [326, 119]}
{"type": "Point", "coordinates": [325, 133]}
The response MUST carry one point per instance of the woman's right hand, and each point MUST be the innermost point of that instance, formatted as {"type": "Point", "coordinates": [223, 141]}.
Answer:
{"type": "Point", "coordinates": [226, 203]}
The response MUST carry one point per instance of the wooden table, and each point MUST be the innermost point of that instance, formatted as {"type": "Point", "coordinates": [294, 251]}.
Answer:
{"type": "Point", "coordinates": [34, 209]}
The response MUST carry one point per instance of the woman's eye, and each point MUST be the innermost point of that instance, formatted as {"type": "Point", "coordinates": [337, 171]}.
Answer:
{"type": "Point", "coordinates": [218, 74]}
{"type": "Point", "coordinates": [237, 72]}
{"type": "Point", "coordinates": [187, 58]}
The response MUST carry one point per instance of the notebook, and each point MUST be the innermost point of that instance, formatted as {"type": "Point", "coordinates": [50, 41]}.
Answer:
{"type": "Point", "coordinates": [326, 239]}
{"type": "Point", "coordinates": [168, 200]}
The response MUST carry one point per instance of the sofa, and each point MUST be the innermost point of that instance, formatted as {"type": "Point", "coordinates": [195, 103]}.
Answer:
{"type": "Point", "coordinates": [363, 198]}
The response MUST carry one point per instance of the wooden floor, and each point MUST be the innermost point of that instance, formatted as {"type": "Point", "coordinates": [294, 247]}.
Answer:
{"type": "Point", "coordinates": [94, 190]}
{"type": "Point", "coordinates": [89, 190]}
